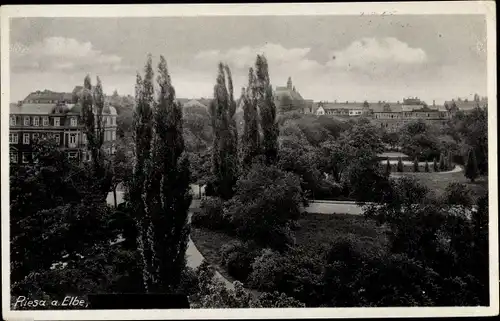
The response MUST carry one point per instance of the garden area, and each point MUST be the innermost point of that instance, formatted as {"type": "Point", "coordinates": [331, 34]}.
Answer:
{"type": "Point", "coordinates": [313, 234]}
{"type": "Point", "coordinates": [438, 182]}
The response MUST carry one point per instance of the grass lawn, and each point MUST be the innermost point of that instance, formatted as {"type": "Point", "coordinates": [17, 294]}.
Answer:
{"type": "Point", "coordinates": [437, 182]}
{"type": "Point", "coordinates": [318, 230]}
{"type": "Point", "coordinates": [314, 234]}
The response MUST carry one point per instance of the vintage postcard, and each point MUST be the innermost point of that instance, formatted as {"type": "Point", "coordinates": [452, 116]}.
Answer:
{"type": "Point", "coordinates": [249, 161]}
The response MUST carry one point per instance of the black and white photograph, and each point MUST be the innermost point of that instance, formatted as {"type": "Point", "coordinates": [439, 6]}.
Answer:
{"type": "Point", "coordinates": [280, 158]}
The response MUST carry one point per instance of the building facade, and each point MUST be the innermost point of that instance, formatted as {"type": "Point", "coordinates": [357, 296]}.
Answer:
{"type": "Point", "coordinates": [342, 109]}
{"type": "Point", "coordinates": [48, 115]}
{"type": "Point", "coordinates": [388, 115]}
{"type": "Point", "coordinates": [393, 116]}
{"type": "Point", "coordinates": [287, 98]}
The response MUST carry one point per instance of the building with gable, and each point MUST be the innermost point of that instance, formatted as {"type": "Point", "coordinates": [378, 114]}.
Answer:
{"type": "Point", "coordinates": [287, 98]}
{"type": "Point", "coordinates": [51, 115]}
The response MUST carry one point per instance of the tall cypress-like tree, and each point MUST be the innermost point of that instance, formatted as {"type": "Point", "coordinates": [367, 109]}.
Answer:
{"type": "Point", "coordinates": [143, 134]}
{"type": "Point", "coordinates": [450, 160]}
{"type": "Point", "coordinates": [92, 101]}
{"type": "Point", "coordinates": [442, 162]}
{"type": "Point", "coordinates": [426, 168]}
{"type": "Point", "coordinates": [388, 167]}
{"type": "Point", "coordinates": [167, 189]}
{"type": "Point", "coordinates": [400, 167]}
{"type": "Point", "coordinates": [251, 138]}
{"type": "Point", "coordinates": [415, 165]}
{"type": "Point", "coordinates": [435, 165]}
{"type": "Point", "coordinates": [471, 169]}
{"type": "Point", "coordinates": [224, 150]}
{"type": "Point", "coordinates": [267, 109]}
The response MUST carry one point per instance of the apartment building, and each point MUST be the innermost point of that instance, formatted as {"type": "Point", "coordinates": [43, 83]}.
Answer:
{"type": "Point", "coordinates": [48, 115]}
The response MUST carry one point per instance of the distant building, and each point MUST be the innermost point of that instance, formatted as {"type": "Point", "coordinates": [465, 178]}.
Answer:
{"type": "Point", "coordinates": [288, 98]}
{"type": "Point", "coordinates": [347, 109]}
{"type": "Point", "coordinates": [466, 105]}
{"type": "Point", "coordinates": [388, 115]}
{"type": "Point", "coordinates": [49, 114]}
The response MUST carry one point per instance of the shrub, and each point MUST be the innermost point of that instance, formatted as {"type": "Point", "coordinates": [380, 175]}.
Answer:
{"type": "Point", "coordinates": [211, 214]}
{"type": "Point", "coordinates": [458, 194]}
{"type": "Point", "coordinates": [328, 189]}
{"type": "Point", "coordinates": [266, 201]}
{"type": "Point", "coordinates": [296, 274]}
{"type": "Point", "coordinates": [237, 257]}
{"type": "Point", "coordinates": [189, 281]}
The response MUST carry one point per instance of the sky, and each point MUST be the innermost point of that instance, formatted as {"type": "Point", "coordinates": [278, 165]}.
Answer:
{"type": "Point", "coordinates": [344, 58]}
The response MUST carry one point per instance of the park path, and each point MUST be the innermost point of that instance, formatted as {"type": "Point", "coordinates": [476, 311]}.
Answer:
{"type": "Point", "coordinates": [193, 256]}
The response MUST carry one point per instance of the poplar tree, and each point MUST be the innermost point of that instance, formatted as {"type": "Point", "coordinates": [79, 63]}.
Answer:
{"type": "Point", "coordinates": [426, 168]}
{"type": "Point", "coordinates": [224, 150]}
{"type": "Point", "coordinates": [251, 138]}
{"type": "Point", "coordinates": [167, 189]}
{"type": "Point", "coordinates": [92, 101]}
{"type": "Point", "coordinates": [471, 168]}
{"type": "Point", "coordinates": [143, 134]}
{"type": "Point", "coordinates": [267, 110]}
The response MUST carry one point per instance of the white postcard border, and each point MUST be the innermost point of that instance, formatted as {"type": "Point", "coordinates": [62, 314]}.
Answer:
{"type": "Point", "coordinates": [486, 8]}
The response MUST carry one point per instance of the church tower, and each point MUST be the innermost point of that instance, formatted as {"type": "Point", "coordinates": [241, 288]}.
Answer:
{"type": "Point", "coordinates": [289, 83]}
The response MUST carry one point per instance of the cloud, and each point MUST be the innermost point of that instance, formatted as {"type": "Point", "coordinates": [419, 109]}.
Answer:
{"type": "Point", "coordinates": [373, 55]}
{"type": "Point", "coordinates": [62, 54]}
{"type": "Point", "coordinates": [278, 57]}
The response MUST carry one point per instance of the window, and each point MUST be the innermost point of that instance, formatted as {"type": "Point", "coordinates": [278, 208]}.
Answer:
{"type": "Point", "coordinates": [73, 121]}
{"type": "Point", "coordinates": [113, 135]}
{"type": "Point", "coordinates": [35, 158]}
{"type": "Point", "coordinates": [58, 138]}
{"type": "Point", "coordinates": [36, 121]}
{"type": "Point", "coordinates": [57, 121]}
{"type": "Point", "coordinates": [26, 121]}
{"type": "Point", "coordinates": [26, 158]}
{"type": "Point", "coordinates": [72, 140]}
{"type": "Point", "coordinates": [13, 157]}
{"type": "Point", "coordinates": [26, 139]}
{"type": "Point", "coordinates": [12, 120]}
{"type": "Point", "coordinates": [84, 138]}
{"type": "Point", "coordinates": [13, 138]}
{"type": "Point", "coordinates": [113, 120]}
{"type": "Point", "coordinates": [45, 121]}
{"type": "Point", "coordinates": [35, 136]}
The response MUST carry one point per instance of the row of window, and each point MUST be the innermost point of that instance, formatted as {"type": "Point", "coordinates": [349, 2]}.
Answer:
{"type": "Point", "coordinates": [57, 121]}
{"type": "Point", "coordinates": [45, 121]}
{"type": "Point", "coordinates": [28, 157]}
{"type": "Point", "coordinates": [14, 138]}
{"type": "Point", "coordinates": [72, 138]}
